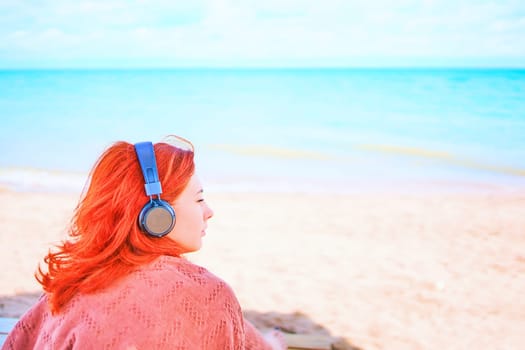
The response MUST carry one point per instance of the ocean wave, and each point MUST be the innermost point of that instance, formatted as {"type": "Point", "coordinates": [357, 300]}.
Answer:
{"type": "Point", "coordinates": [362, 152]}
{"type": "Point", "coordinates": [41, 180]}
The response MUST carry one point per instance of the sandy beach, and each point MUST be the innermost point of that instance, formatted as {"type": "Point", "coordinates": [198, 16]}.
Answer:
{"type": "Point", "coordinates": [427, 270]}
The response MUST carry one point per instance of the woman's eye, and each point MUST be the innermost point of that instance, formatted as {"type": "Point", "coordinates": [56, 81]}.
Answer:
{"type": "Point", "coordinates": [200, 200]}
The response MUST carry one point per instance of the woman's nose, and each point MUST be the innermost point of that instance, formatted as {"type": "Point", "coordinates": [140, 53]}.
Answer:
{"type": "Point", "coordinates": [208, 212]}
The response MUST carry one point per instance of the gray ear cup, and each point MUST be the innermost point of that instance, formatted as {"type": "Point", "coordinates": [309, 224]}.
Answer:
{"type": "Point", "coordinates": [157, 218]}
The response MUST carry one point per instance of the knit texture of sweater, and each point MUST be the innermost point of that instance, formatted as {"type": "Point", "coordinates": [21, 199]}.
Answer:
{"type": "Point", "coordinates": [168, 304]}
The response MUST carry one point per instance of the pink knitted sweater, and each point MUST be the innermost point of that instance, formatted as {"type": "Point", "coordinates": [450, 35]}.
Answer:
{"type": "Point", "coordinates": [169, 304]}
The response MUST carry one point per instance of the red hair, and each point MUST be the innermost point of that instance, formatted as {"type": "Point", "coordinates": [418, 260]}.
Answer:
{"type": "Point", "coordinates": [105, 242]}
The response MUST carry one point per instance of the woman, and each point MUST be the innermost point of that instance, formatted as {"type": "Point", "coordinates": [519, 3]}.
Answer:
{"type": "Point", "coordinates": [120, 282]}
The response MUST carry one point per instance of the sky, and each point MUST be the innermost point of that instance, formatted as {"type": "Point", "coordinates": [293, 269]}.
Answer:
{"type": "Point", "coordinates": [255, 33]}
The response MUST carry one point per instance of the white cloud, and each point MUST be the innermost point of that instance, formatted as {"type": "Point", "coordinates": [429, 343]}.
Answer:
{"type": "Point", "coordinates": [238, 32]}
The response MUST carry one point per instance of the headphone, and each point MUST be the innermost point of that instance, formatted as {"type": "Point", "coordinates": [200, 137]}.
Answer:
{"type": "Point", "coordinates": [157, 217]}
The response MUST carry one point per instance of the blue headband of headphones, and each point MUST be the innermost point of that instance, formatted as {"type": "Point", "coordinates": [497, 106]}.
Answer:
{"type": "Point", "coordinates": [148, 164]}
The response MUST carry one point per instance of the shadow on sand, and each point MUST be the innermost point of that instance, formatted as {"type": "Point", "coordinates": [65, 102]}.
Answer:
{"type": "Point", "coordinates": [16, 305]}
{"type": "Point", "coordinates": [297, 323]}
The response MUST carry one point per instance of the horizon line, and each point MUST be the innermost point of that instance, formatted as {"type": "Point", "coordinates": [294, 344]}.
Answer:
{"type": "Point", "coordinates": [313, 67]}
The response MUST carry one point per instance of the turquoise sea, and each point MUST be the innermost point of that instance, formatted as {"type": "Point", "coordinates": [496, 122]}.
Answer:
{"type": "Point", "coordinates": [272, 129]}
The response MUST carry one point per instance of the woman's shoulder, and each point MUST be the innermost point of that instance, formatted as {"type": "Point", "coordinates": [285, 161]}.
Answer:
{"type": "Point", "coordinates": [177, 273]}
{"type": "Point", "coordinates": [176, 268]}
{"type": "Point", "coordinates": [174, 264]}
{"type": "Point", "coordinates": [158, 287]}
